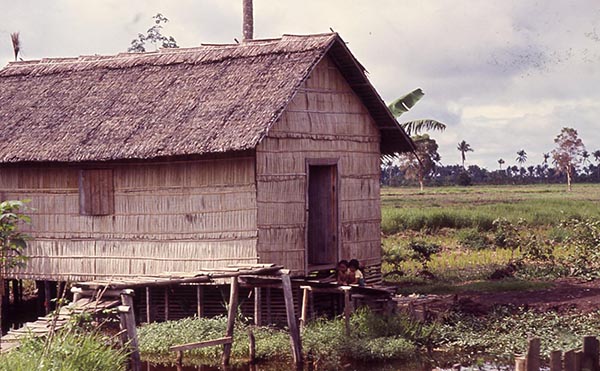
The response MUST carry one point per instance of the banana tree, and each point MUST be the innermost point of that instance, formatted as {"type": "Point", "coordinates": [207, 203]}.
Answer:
{"type": "Point", "coordinates": [404, 104]}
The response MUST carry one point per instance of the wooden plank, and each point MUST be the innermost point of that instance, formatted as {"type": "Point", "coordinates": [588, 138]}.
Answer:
{"type": "Point", "coordinates": [233, 298]}
{"type": "Point", "coordinates": [532, 362]}
{"type": "Point", "coordinates": [199, 299]}
{"type": "Point", "coordinates": [148, 306]}
{"type": "Point", "coordinates": [251, 347]}
{"type": "Point", "coordinates": [201, 344]}
{"type": "Point", "coordinates": [520, 364]}
{"type": "Point", "coordinates": [347, 308]}
{"type": "Point", "coordinates": [291, 319]}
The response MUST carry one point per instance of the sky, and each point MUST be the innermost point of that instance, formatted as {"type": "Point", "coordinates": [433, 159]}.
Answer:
{"type": "Point", "coordinates": [502, 75]}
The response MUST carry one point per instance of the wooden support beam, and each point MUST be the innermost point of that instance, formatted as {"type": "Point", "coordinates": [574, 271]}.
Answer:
{"type": "Point", "coordinates": [148, 304]}
{"type": "Point", "coordinates": [268, 299]}
{"type": "Point", "coordinates": [304, 315]}
{"type": "Point", "coordinates": [47, 297]}
{"type": "Point", "coordinates": [570, 360]}
{"type": "Point", "coordinates": [347, 308]}
{"type": "Point", "coordinates": [231, 314]}
{"type": "Point", "coordinates": [533, 355]}
{"type": "Point", "coordinates": [520, 364]}
{"type": "Point", "coordinates": [591, 348]}
{"type": "Point", "coordinates": [166, 303]}
{"type": "Point", "coordinates": [128, 322]}
{"type": "Point", "coordinates": [251, 347]}
{"type": "Point", "coordinates": [556, 360]}
{"type": "Point", "coordinates": [257, 306]}
{"type": "Point", "coordinates": [199, 301]}
{"type": "Point", "coordinates": [291, 320]}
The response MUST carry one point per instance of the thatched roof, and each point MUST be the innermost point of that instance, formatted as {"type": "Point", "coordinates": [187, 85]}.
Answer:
{"type": "Point", "coordinates": [174, 102]}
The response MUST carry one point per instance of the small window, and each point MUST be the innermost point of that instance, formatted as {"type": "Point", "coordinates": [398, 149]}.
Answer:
{"type": "Point", "coordinates": [96, 192]}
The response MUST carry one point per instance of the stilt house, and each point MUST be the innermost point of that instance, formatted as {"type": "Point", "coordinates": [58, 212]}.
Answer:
{"type": "Point", "coordinates": [178, 160]}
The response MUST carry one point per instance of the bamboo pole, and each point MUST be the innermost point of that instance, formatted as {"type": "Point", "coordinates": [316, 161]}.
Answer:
{"type": "Point", "coordinates": [291, 320]}
{"type": "Point", "coordinates": [166, 303]}
{"type": "Point", "coordinates": [233, 297]}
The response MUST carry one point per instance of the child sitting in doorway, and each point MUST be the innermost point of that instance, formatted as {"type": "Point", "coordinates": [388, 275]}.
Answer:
{"type": "Point", "coordinates": [356, 276]}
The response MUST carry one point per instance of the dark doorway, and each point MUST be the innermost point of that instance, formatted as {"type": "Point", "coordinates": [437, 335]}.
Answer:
{"type": "Point", "coordinates": [322, 215]}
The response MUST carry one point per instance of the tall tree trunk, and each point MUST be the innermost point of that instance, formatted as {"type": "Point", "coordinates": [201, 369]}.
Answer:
{"type": "Point", "coordinates": [569, 188]}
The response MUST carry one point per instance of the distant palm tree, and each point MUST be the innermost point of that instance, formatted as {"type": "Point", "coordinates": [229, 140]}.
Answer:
{"type": "Point", "coordinates": [464, 147]}
{"type": "Point", "coordinates": [521, 157]}
{"type": "Point", "coordinates": [546, 157]}
{"type": "Point", "coordinates": [501, 162]}
{"type": "Point", "coordinates": [585, 155]}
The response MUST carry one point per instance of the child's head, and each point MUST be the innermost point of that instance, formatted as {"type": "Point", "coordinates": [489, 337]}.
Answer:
{"type": "Point", "coordinates": [353, 265]}
{"type": "Point", "coordinates": [342, 265]}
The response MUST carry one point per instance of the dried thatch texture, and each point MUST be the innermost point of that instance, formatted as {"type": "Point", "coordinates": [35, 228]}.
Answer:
{"type": "Point", "coordinates": [214, 98]}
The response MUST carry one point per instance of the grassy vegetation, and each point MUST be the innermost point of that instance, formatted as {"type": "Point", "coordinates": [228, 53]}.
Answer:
{"type": "Point", "coordinates": [69, 351]}
{"type": "Point", "coordinates": [500, 336]}
{"type": "Point", "coordinates": [460, 220]}
{"type": "Point", "coordinates": [374, 338]}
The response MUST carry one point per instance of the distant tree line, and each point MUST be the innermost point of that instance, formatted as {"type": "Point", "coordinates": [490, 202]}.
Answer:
{"type": "Point", "coordinates": [568, 162]}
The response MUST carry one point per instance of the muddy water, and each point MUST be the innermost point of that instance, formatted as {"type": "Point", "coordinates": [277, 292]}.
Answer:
{"type": "Point", "coordinates": [394, 366]}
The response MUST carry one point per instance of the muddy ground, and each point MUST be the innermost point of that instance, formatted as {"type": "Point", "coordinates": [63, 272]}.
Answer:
{"type": "Point", "coordinates": [565, 295]}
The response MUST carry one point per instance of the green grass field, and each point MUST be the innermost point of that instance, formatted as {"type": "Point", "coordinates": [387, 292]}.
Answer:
{"type": "Point", "coordinates": [478, 206]}
{"type": "Point", "coordinates": [460, 220]}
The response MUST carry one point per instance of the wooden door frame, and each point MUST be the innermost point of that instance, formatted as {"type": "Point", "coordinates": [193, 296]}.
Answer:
{"type": "Point", "coordinates": [332, 161]}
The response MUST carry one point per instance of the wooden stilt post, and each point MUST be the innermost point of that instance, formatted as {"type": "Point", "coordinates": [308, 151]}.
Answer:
{"type": "Point", "coordinates": [47, 297]}
{"type": "Point", "coordinates": [251, 347]}
{"type": "Point", "coordinates": [591, 347]}
{"type": "Point", "coordinates": [199, 299]}
{"type": "Point", "coordinates": [257, 306]}
{"type": "Point", "coordinates": [127, 316]}
{"type": "Point", "coordinates": [305, 294]}
{"type": "Point", "coordinates": [520, 364]}
{"type": "Point", "coordinates": [347, 308]}
{"type": "Point", "coordinates": [533, 355]}
{"type": "Point", "coordinates": [148, 306]}
{"type": "Point", "coordinates": [268, 299]}
{"type": "Point", "coordinates": [291, 320]}
{"type": "Point", "coordinates": [556, 360]}
{"type": "Point", "coordinates": [166, 303]}
{"type": "Point", "coordinates": [231, 313]}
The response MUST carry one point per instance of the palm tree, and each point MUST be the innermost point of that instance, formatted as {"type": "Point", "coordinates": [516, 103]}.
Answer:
{"type": "Point", "coordinates": [585, 155]}
{"type": "Point", "coordinates": [501, 162]}
{"type": "Point", "coordinates": [546, 157]}
{"type": "Point", "coordinates": [521, 157]}
{"type": "Point", "coordinates": [464, 147]}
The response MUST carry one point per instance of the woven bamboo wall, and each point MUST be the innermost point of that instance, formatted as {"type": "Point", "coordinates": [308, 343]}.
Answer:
{"type": "Point", "coordinates": [325, 120]}
{"type": "Point", "coordinates": [176, 216]}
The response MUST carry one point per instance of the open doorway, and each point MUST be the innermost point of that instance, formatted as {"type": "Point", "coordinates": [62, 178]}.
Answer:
{"type": "Point", "coordinates": [322, 200]}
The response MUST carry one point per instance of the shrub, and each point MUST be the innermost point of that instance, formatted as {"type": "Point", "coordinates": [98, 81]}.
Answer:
{"type": "Point", "coordinates": [472, 239]}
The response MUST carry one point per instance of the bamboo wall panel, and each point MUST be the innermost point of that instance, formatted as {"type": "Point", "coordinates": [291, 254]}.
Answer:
{"type": "Point", "coordinates": [179, 216]}
{"type": "Point", "coordinates": [325, 120]}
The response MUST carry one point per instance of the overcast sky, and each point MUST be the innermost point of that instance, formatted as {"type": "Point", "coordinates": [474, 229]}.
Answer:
{"type": "Point", "coordinates": [503, 75]}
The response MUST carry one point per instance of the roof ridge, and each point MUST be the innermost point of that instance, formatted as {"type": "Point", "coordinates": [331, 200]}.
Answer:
{"type": "Point", "coordinates": [162, 51]}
